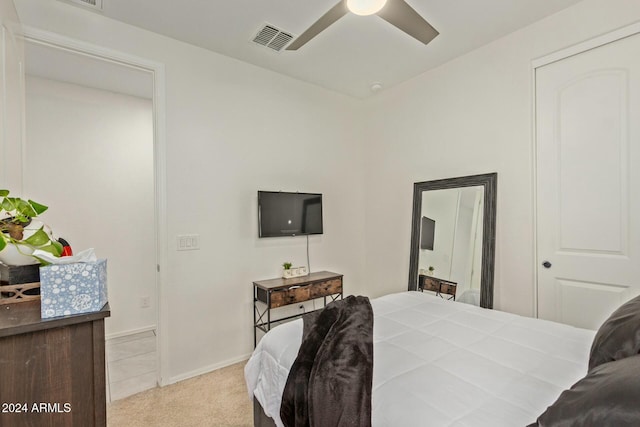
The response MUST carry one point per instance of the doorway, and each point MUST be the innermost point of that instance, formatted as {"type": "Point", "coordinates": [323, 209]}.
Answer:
{"type": "Point", "coordinates": [588, 181]}
{"type": "Point", "coordinates": [91, 154]}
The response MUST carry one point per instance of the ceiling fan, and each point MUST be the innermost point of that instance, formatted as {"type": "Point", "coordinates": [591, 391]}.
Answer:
{"type": "Point", "coordinates": [395, 12]}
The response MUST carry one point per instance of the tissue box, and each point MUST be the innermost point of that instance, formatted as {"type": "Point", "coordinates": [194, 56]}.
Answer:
{"type": "Point", "coordinates": [75, 288]}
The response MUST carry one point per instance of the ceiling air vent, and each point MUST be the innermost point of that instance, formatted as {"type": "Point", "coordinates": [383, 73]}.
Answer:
{"type": "Point", "coordinates": [272, 37]}
{"type": "Point", "coordinates": [93, 4]}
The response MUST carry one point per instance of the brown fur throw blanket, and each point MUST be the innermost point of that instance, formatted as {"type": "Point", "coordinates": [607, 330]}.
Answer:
{"type": "Point", "coordinates": [329, 384]}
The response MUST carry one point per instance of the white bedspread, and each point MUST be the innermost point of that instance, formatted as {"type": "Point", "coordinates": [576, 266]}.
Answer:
{"type": "Point", "coordinates": [442, 363]}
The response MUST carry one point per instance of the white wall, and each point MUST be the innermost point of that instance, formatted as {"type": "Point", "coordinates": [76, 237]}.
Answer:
{"type": "Point", "coordinates": [472, 115]}
{"type": "Point", "coordinates": [11, 99]}
{"type": "Point", "coordinates": [232, 129]}
{"type": "Point", "coordinates": [89, 157]}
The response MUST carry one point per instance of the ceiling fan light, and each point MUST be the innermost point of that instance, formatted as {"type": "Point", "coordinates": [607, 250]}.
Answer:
{"type": "Point", "coordinates": [365, 7]}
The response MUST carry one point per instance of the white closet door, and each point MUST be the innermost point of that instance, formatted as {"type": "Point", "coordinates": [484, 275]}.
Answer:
{"type": "Point", "coordinates": [588, 183]}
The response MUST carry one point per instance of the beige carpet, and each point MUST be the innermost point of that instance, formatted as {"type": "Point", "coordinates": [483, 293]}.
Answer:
{"type": "Point", "coordinates": [217, 399]}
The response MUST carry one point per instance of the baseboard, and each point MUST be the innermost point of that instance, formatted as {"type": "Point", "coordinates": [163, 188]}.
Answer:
{"type": "Point", "coordinates": [130, 332]}
{"type": "Point", "coordinates": [207, 369]}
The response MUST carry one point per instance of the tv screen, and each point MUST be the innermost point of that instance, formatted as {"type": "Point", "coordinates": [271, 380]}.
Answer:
{"type": "Point", "coordinates": [427, 234]}
{"type": "Point", "coordinates": [289, 214]}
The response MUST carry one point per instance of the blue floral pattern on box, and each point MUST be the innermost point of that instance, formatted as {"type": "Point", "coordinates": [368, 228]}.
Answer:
{"type": "Point", "coordinates": [73, 288]}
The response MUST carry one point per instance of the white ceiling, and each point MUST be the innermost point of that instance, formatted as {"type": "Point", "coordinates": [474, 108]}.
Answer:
{"type": "Point", "coordinates": [351, 54]}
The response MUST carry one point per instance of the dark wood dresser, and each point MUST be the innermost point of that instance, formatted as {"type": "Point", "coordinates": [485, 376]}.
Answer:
{"type": "Point", "coordinates": [52, 371]}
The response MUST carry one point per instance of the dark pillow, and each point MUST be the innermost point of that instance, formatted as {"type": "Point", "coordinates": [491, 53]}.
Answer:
{"type": "Point", "coordinates": [608, 396]}
{"type": "Point", "coordinates": [619, 335]}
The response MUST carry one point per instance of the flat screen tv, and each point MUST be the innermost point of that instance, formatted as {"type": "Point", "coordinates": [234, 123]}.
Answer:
{"type": "Point", "coordinates": [427, 234]}
{"type": "Point", "coordinates": [289, 214]}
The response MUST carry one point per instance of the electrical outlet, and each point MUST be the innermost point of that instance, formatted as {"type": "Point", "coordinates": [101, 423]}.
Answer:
{"type": "Point", "coordinates": [145, 302]}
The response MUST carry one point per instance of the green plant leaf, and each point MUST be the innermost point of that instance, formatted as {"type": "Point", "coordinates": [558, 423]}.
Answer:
{"type": "Point", "coordinates": [25, 209]}
{"type": "Point", "coordinates": [58, 246]}
{"type": "Point", "coordinates": [39, 238]}
{"type": "Point", "coordinates": [37, 207]}
{"type": "Point", "coordinates": [18, 218]}
{"type": "Point", "coordinates": [3, 243]}
{"type": "Point", "coordinates": [54, 248]}
{"type": "Point", "coordinates": [42, 261]}
{"type": "Point", "coordinates": [8, 204]}
{"type": "Point", "coordinates": [4, 193]}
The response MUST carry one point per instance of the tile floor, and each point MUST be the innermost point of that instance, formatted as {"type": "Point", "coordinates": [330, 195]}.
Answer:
{"type": "Point", "coordinates": [131, 364]}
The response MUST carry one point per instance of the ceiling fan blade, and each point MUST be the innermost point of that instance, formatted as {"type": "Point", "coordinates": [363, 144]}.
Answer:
{"type": "Point", "coordinates": [401, 15]}
{"type": "Point", "coordinates": [335, 13]}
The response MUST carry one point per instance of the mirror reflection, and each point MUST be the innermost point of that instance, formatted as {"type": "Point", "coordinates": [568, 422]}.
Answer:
{"type": "Point", "coordinates": [453, 231]}
{"type": "Point", "coordinates": [450, 252]}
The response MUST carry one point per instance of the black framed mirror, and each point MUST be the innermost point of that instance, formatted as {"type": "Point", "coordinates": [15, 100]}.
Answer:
{"type": "Point", "coordinates": [453, 232]}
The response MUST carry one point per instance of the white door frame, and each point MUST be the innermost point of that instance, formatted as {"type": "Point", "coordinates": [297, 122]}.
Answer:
{"type": "Point", "coordinates": [561, 54]}
{"type": "Point", "coordinates": [157, 71]}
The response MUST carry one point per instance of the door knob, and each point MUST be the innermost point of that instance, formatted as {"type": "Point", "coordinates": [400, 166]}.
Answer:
{"type": "Point", "coordinates": [546, 264]}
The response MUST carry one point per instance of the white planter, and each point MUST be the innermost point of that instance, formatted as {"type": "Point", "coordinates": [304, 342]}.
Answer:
{"type": "Point", "coordinates": [10, 255]}
{"type": "Point", "coordinates": [294, 272]}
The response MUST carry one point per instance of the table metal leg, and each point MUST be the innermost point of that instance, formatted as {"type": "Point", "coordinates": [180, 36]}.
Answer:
{"type": "Point", "coordinates": [268, 311]}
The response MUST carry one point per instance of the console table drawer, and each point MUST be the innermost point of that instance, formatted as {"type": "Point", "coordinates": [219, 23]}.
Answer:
{"type": "Point", "coordinates": [431, 284]}
{"type": "Point", "coordinates": [276, 293]}
{"type": "Point", "coordinates": [327, 288]}
{"type": "Point", "coordinates": [448, 288]}
{"type": "Point", "coordinates": [289, 296]}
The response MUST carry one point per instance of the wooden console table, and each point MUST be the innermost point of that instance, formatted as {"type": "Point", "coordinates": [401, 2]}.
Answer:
{"type": "Point", "coordinates": [274, 293]}
{"type": "Point", "coordinates": [439, 286]}
{"type": "Point", "coordinates": [53, 370]}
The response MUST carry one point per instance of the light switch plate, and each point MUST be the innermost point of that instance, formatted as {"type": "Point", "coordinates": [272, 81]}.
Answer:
{"type": "Point", "coordinates": [188, 242]}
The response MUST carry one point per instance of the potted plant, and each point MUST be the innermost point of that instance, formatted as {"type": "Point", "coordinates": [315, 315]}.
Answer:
{"type": "Point", "coordinates": [20, 234]}
{"type": "Point", "coordinates": [430, 270]}
{"type": "Point", "coordinates": [286, 269]}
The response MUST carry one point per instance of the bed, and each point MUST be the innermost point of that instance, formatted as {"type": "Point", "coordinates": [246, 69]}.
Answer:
{"type": "Point", "coordinates": [450, 363]}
